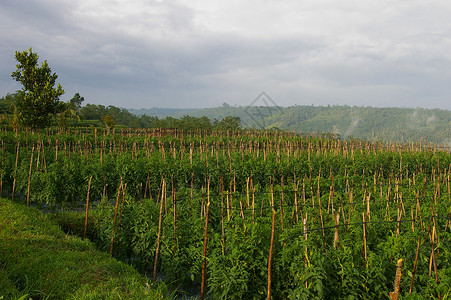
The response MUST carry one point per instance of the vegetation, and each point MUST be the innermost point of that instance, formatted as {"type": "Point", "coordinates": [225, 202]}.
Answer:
{"type": "Point", "coordinates": [366, 123]}
{"type": "Point", "coordinates": [38, 260]}
{"type": "Point", "coordinates": [214, 210]}
{"type": "Point", "coordinates": [206, 211]}
{"type": "Point", "coordinates": [39, 101]}
{"type": "Point", "coordinates": [37, 105]}
{"type": "Point", "coordinates": [73, 114]}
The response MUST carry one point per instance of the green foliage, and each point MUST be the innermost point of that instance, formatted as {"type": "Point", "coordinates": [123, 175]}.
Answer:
{"type": "Point", "coordinates": [228, 124]}
{"type": "Point", "coordinates": [109, 122]}
{"type": "Point", "coordinates": [349, 122]}
{"type": "Point", "coordinates": [75, 102]}
{"type": "Point", "coordinates": [324, 175]}
{"type": "Point", "coordinates": [38, 259]}
{"type": "Point", "coordinates": [40, 100]}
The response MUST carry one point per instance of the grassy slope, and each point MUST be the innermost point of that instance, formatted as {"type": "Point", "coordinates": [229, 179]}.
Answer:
{"type": "Point", "coordinates": [38, 259]}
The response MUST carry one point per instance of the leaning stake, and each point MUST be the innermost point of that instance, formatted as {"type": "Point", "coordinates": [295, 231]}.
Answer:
{"type": "Point", "coordinates": [115, 216]}
{"type": "Point", "coordinates": [415, 265]}
{"type": "Point", "coordinates": [270, 251]}
{"type": "Point", "coordinates": [87, 207]}
{"type": "Point", "coordinates": [204, 262]}
{"type": "Point", "coordinates": [29, 178]}
{"type": "Point", "coordinates": [159, 232]}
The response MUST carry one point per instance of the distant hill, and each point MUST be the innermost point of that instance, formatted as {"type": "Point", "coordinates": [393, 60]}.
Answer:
{"type": "Point", "coordinates": [162, 112]}
{"type": "Point", "coordinates": [369, 123]}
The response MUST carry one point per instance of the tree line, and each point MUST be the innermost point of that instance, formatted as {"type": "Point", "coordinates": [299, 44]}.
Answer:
{"type": "Point", "coordinates": [37, 105]}
{"type": "Point", "coordinates": [73, 114]}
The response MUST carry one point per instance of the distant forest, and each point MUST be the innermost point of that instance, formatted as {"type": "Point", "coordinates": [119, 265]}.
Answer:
{"type": "Point", "coordinates": [347, 122]}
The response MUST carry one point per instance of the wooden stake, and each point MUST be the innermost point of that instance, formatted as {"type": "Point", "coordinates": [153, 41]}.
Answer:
{"type": "Point", "coordinates": [395, 294]}
{"type": "Point", "coordinates": [322, 223]}
{"type": "Point", "coordinates": [364, 238]}
{"type": "Point", "coordinates": [87, 207]}
{"type": "Point", "coordinates": [337, 222]}
{"type": "Point", "coordinates": [174, 210]}
{"type": "Point", "coordinates": [124, 188]}
{"type": "Point", "coordinates": [15, 170]}
{"type": "Point", "coordinates": [281, 202]}
{"type": "Point", "coordinates": [247, 193]}
{"type": "Point", "coordinates": [304, 222]}
{"type": "Point", "coordinates": [271, 247]}
{"type": "Point", "coordinates": [227, 205]}
{"type": "Point", "coordinates": [204, 262]}
{"type": "Point", "coordinates": [160, 217]}
{"type": "Point", "coordinates": [415, 264]}
{"type": "Point", "coordinates": [29, 178]}
{"type": "Point", "coordinates": [115, 216]}
{"type": "Point", "coordinates": [433, 260]}
{"type": "Point", "coordinates": [296, 208]}
{"type": "Point", "coordinates": [221, 187]}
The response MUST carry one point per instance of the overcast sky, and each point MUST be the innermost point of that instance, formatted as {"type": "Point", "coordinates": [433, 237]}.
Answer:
{"type": "Point", "coordinates": [193, 53]}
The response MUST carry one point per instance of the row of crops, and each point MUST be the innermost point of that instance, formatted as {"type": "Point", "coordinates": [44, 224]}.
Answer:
{"type": "Point", "coordinates": [251, 214]}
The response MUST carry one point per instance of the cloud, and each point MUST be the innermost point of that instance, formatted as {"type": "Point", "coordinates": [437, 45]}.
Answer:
{"type": "Point", "coordinates": [182, 53]}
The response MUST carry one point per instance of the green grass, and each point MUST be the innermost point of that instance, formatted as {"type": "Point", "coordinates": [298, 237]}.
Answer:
{"type": "Point", "coordinates": [39, 260]}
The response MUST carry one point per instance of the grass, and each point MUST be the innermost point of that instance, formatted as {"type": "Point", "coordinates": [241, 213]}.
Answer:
{"type": "Point", "coordinates": [39, 260]}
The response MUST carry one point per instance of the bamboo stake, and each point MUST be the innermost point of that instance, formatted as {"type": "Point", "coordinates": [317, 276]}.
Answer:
{"type": "Point", "coordinates": [281, 206]}
{"type": "Point", "coordinates": [231, 198]}
{"type": "Point", "coordinates": [204, 262]}
{"type": "Point", "coordinates": [330, 204]}
{"type": "Point", "coordinates": [418, 210]}
{"type": "Point", "coordinates": [322, 224]}
{"type": "Point", "coordinates": [304, 222]}
{"type": "Point", "coordinates": [29, 178]}
{"type": "Point", "coordinates": [115, 217]}
{"type": "Point", "coordinates": [15, 170]}
{"type": "Point", "coordinates": [296, 208]}
{"type": "Point", "coordinates": [227, 205]}
{"type": "Point", "coordinates": [174, 208]}
{"type": "Point", "coordinates": [434, 229]}
{"type": "Point", "coordinates": [337, 222]}
{"type": "Point", "coordinates": [364, 238]}
{"type": "Point", "coordinates": [87, 207]}
{"type": "Point", "coordinates": [124, 188]}
{"type": "Point", "coordinates": [222, 214]}
{"type": "Point", "coordinates": [415, 264]}
{"type": "Point", "coordinates": [271, 247]}
{"type": "Point", "coordinates": [202, 204]}
{"type": "Point", "coordinates": [160, 217]}
{"type": "Point", "coordinates": [253, 201]}
{"type": "Point", "coordinates": [434, 261]}
{"type": "Point", "coordinates": [395, 294]}
{"type": "Point", "coordinates": [247, 192]}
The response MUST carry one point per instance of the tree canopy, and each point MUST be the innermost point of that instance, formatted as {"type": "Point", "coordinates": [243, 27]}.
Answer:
{"type": "Point", "coordinates": [40, 98]}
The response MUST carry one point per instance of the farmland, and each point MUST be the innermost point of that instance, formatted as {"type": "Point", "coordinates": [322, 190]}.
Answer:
{"type": "Point", "coordinates": [248, 214]}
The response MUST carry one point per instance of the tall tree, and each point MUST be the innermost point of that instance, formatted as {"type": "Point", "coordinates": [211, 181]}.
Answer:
{"type": "Point", "coordinates": [109, 122]}
{"type": "Point", "coordinates": [40, 101]}
{"type": "Point", "coordinates": [75, 102]}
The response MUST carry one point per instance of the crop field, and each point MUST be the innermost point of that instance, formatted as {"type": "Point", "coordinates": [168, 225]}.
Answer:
{"type": "Point", "coordinates": [250, 215]}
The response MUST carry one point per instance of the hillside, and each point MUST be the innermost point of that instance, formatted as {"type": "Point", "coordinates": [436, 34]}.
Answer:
{"type": "Point", "coordinates": [370, 123]}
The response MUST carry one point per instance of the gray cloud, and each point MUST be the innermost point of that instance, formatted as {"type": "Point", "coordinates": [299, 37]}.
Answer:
{"type": "Point", "coordinates": [197, 54]}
